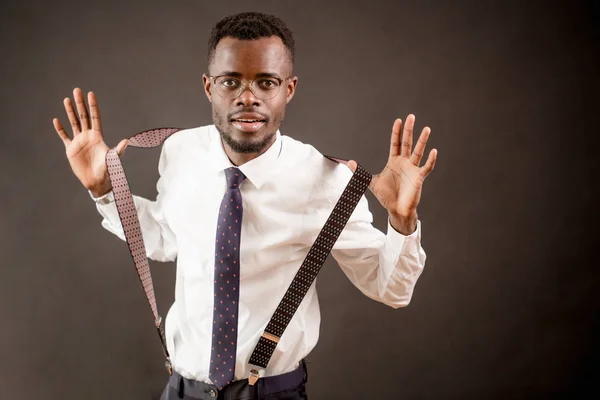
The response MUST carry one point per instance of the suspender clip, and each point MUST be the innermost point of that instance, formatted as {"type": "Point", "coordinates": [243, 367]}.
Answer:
{"type": "Point", "coordinates": [253, 377]}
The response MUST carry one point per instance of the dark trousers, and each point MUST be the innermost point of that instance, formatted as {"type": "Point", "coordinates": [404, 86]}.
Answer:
{"type": "Point", "coordinates": [288, 386]}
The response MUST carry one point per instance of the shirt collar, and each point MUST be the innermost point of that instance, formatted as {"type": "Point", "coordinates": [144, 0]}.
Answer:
{"type": "Point", "coordinates": [256, 170]}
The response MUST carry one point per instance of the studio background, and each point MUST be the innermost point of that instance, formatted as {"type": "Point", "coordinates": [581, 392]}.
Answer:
{"type": "Point", "coordinates": [507, 304]}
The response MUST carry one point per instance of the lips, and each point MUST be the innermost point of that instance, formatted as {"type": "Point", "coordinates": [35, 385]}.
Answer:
{"type": "Point", "coordinates": [248, 122]}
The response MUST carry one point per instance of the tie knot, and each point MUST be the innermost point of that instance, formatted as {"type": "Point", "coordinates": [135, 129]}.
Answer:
{"type": "Point", "coordinates": [234, 178]}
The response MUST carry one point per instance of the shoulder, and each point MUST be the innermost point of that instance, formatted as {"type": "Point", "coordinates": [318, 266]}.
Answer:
{"type": "Point", "coordinates": [186, 146]}
{"type": "Point", "coordinates": [191, 138]}
{"type": "Point", "coordinates": [320, 169]}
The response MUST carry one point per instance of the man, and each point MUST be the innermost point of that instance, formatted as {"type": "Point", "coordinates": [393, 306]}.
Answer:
{"type": "Point", "coordinates": [269, 195]}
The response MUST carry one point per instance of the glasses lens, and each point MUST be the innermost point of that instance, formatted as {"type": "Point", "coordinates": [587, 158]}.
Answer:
{"type": "Point", "coordinates": [265, 88]}
{"type": "Point", "coordinates": [262, 88]}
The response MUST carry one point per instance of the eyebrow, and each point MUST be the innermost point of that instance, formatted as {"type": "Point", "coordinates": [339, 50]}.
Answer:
{"type": "Point", "coordinates": [259, 75]}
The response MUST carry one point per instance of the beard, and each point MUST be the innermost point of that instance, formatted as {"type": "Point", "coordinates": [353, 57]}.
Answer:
{"type": "Point", "coordinates": [245, 146]}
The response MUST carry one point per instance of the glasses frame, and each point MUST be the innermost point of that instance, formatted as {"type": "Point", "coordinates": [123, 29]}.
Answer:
{"type": "Point", "coordinates": [247, 84]}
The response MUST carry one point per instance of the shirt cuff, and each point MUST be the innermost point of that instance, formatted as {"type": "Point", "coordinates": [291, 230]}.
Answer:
{"type": "Point", "coordinates": [106, 198]}
{"type": "Point", "coordinates": [401, 244]}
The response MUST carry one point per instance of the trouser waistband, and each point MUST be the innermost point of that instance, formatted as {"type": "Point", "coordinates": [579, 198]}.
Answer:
{"type": "Point", "coordinates": [240, 389]}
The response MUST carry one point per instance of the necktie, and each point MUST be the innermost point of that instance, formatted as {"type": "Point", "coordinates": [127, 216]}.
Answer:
{"type": "Point", "coordinates": [226, 282]}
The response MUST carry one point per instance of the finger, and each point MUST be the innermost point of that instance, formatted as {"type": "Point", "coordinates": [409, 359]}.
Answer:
{"type": "Point", "coordinates": [61, 132]}
{"type": "Point", "coordinates": [72, 116]}
{"type": "Point", "coordinates": [417, 153]}
{"type": "Point", "coordinates": [395, 139]}
{"type": "Point", "coordinates": [122, 146]}
{"type": "Point", "coordinates": [95, 112]}
{"type": "Point", "coordinates": [407, 136]}
{"type": "Point", "coordinates": [430, 163]}
{"type": "Point", "coordinates": [81, 109]}
{"type": "Point", "coordinates": [352, 165]}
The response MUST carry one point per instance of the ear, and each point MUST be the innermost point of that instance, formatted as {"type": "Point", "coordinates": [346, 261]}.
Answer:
{"type": "Point", "coordinates": [207, 82]}
{"type": "Point", "coordinates": [291, 89]}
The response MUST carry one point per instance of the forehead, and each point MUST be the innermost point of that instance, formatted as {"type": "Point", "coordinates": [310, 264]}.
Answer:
{"type": "Point", "coordinates": [250, 57]}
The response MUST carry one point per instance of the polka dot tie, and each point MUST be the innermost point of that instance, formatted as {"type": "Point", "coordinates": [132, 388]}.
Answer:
{"type": "Point", "coordinates": [227, 281]}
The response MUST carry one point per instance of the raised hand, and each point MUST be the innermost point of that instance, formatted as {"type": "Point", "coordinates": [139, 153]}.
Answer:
{"type": "Point", "coordinates": [86, 150]}
{"type": "Point", "coordinates": [398, 187]}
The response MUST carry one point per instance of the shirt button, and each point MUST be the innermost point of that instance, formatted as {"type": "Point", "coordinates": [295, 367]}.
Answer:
{"type": "Point", "coordinates": [213, 393]}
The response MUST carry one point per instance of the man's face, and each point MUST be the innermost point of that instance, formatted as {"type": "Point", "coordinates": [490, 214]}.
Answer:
{"type": "Point", "coordinates": [248, 123]}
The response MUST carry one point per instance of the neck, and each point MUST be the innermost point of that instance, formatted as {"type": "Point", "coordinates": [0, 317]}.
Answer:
{"type": "Point", "coordinates": [238, 159]}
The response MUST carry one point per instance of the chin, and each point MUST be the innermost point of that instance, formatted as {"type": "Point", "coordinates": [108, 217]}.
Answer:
{"type": "Point", "coordinates": [247, 142]}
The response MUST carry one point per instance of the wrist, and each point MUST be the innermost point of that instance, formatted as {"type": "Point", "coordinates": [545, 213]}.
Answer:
{"type": "Point", "coordinates": [100, 193]}
{"type": "Point", "coordinates": [404, 224]}
{"type": "Point", "coordinates": [101, 190]}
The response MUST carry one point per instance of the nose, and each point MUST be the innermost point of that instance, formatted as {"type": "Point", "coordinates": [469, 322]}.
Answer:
{"type": "Point", "coordinates": [247, 98]}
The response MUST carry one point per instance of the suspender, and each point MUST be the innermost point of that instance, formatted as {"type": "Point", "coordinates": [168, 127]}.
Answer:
{"type": "Point", "coordinates": [131, 223]}
{"type": "Point", "coordinates": [304, 278]}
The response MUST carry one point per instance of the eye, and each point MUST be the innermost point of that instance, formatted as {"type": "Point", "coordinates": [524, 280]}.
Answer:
{"type": "Point", "coordinates": [228, 82]}
{"type": "Point", "coordinates": [268, 84]}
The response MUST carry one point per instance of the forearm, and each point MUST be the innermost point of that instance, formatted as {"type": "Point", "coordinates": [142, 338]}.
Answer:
{"type": "Point", "coordinates": [384, 267]}
{"type": "Point", "coordinates": [401, 261]}
{"type": "Point", "coordinates": [158, 238]}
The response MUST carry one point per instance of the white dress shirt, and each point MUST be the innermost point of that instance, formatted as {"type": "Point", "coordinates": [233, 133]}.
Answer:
{"type": "Point", "coordinates": [288, 195]}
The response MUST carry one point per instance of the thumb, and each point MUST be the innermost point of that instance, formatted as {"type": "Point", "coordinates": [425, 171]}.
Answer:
{"type": "Point", "coordinates": [122, 146]}
{"type": "Point", "coordinates": [352, 165]}
{"type": "Point", "coordinates": [373, 183]}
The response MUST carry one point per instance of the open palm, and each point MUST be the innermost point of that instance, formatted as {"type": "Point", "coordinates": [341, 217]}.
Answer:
{"type": "Point", "coordinates": [86, 150]}
{"type": "Point", "coordinates": [398, 187]}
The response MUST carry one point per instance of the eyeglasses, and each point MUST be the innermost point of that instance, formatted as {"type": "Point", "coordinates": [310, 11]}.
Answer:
{"type": "Point", "coordinates": [230, 87]}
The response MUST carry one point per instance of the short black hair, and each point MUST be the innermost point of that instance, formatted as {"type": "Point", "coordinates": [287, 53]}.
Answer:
{"type": "Point", "coordinates": [251, 26]}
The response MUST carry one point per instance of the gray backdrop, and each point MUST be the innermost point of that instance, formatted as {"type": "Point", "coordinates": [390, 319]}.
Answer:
{"type": "Point", "coordinates": [506, 306]}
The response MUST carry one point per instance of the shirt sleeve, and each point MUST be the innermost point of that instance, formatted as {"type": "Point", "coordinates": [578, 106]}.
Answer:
{"type": "Point", "coordinates": [384, 267]}
{"type": "Point", "coordinates": [159, 240]}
